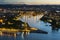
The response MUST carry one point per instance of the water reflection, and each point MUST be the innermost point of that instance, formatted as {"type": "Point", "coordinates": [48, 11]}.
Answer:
{"type": "Point", "coordinates": [34, 21]}
{"type": "Point", "coordinates": [52, 34]}
{"type": "Point", "coordinates": [22, 35]}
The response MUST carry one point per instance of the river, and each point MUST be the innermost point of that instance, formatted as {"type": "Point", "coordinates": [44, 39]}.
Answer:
{"type": "Point", "coordinates": [35, 22]}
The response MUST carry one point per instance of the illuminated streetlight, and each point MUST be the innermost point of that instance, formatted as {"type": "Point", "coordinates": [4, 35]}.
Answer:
{"type": "Point", "coordinates": [1, 20]}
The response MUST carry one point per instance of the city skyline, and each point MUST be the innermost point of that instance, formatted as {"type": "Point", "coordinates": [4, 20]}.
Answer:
{"type": "Point", "coordinates": [30, 2]}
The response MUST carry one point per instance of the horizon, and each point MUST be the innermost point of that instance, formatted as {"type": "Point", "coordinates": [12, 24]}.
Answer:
{"type": "Point", "coordinates": [31, 2]}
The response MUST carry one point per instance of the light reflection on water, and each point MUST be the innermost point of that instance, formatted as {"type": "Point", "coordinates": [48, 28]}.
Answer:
{"type": "Point", "coordinates": [52, 34]}
{"type": "Point", "coordinates": [34, 21]}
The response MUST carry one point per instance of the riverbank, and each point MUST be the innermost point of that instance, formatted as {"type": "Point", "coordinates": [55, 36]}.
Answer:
{"type": "Point", "coordinates": [53, 18]}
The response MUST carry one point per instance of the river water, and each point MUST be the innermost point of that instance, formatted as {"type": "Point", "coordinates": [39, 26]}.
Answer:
{"type": "Point", "coordinates": [35, 22]}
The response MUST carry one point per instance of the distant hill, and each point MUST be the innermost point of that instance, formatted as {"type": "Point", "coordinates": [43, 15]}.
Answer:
{"type": "Point", "coordinates": [47, 7]}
